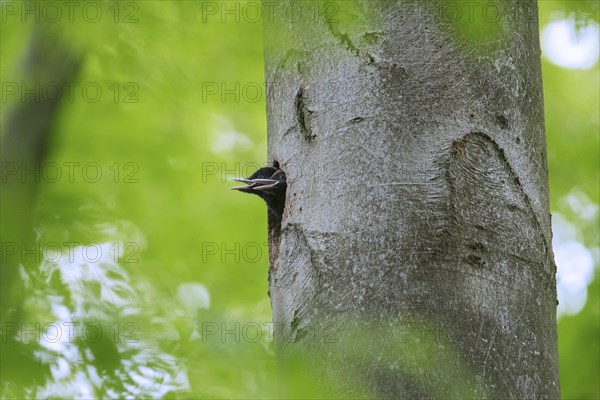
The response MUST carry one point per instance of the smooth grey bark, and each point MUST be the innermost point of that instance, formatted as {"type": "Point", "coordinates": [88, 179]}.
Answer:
{"type": "Point", "coordinates": [417, 201]}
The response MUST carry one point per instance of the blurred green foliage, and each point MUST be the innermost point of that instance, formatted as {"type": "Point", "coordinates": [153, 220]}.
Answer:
{"type": "Point", "coordinates": [572, 104]}
{"type": "Point", "coordinates": [182, 108]}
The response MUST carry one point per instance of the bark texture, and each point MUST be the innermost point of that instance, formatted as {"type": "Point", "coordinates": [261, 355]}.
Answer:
{"type": "Point", "coordinates": [417, 201]}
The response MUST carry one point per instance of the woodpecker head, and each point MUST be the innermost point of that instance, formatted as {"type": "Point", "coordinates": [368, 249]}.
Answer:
{"type": "Point", "coordinates": [269, 183]}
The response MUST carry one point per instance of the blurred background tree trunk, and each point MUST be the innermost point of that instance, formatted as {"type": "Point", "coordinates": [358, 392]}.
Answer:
{"type": "Point", "coordinates": [26, 136]}
{"type": "Point", "coordinates": [415, 258]}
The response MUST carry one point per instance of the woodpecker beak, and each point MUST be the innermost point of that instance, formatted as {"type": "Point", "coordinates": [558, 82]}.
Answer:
{"type": "Point", "coordinates": [254, 184]}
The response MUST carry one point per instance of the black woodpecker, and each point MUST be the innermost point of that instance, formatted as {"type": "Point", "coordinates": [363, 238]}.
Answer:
{"type": "Point", "coordinates": [269, 183]}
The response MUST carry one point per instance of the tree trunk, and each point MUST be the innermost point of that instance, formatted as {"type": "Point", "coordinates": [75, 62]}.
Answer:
{"type": "Point", "coordinates": [415, 255]}
{"type": "Point", "coordinates": [26, 136]}
{"type": "Point", "coordinates": [25, 141]}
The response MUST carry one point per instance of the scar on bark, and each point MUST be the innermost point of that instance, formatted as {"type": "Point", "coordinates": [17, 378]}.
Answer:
{"type": "Point", "coordinates": [459, 145]}
{"type": "Point", "coordinates": [295, 326]}
{"type": "Point", "coordinates": [303, 116]}
{"type": "Point", "coordinates": [502, 121]}
{"type": "Point", "coordinates": [459, 149]}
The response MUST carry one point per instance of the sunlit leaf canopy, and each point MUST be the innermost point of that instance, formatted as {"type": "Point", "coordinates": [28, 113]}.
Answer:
{"type": "Point", "coordinates": [168, 103]}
